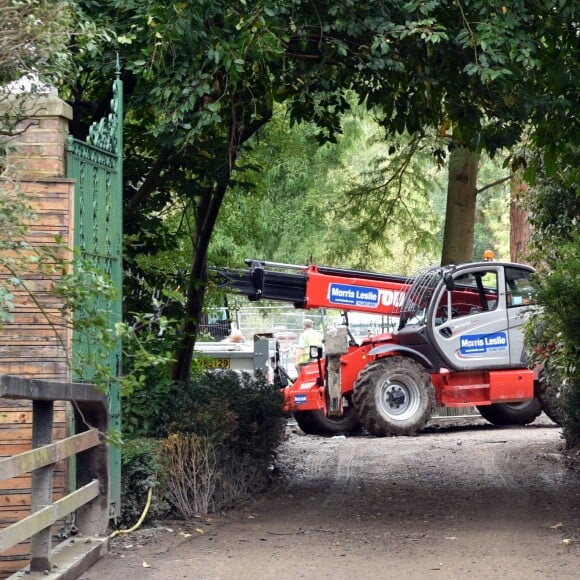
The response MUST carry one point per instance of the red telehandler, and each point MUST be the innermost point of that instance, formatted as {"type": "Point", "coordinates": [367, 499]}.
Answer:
{"type": "Point", "coordinates": [459, 343]}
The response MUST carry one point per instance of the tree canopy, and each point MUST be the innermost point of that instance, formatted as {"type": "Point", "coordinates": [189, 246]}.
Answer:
{"type": "Point", "coordinates": [312, 205]}
{"type": "Point", "coordinates": [202, 79]}
{"type": "Point", "coordinates": [34, 39]}
{"type": "Point", "coordinates": [33, 53]}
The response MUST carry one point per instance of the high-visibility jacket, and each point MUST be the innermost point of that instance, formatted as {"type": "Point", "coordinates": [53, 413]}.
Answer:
{"type": "Point", "coordinates": [308, 338]}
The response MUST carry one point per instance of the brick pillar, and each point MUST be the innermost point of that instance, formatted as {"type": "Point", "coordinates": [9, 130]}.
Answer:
{"type": "Point", "coordinates": [37, 148]}
{"type": "Point", "coordinates": [35, 168]}
{"type": "Point", "coordinates": [31, 346]}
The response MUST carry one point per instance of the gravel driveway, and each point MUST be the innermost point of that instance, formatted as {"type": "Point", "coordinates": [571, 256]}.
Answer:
{"type": "Point", "coordinates": [469, 500]}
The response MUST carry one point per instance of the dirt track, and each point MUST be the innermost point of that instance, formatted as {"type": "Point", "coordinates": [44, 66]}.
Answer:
{"type": "Point", "coordinates": [479, 501]}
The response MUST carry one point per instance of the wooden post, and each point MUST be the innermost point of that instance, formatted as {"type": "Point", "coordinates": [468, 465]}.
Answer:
{"type": "Point", "coordinates": [92, 518]}
{"type": "Point", "coordinates": [41, 493]}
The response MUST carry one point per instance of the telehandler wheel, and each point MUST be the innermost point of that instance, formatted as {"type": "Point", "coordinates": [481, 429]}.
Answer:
{"type": "Point", "coordinates": [394, 395]}
{"type": "Point", "coordinates": [549, 391]}
{"type": "Point", "coordinates": [315, 423]}
{"type": "Point", "coordinates": [511, 413]}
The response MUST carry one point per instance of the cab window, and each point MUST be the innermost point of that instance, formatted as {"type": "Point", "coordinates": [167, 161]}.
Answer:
{"type": "Point", "coordinates": [519, 289]}
{"type": "Point", "coordinates": [473, 293]}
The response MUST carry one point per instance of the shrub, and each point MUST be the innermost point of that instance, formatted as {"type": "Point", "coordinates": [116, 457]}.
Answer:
{"type": "Point", "coordinates": [149, 408]}
{"type": "Point", "coordinates": [141, 469]}
{"type": "Point", "coordinates": [224, 435]}
{"type": "Point", "coordinates": [218, 436]}
{"type": "Point", "coordinates": [553, 337]}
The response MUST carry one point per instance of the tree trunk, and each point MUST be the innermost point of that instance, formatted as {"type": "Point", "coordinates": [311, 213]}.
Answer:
{"type": "Point", "coordinates": [460, 212]}
{"type": "Point", "coordinates": [520, 228]}
{"type": "Point", "coordinates": [207, 211]}
{"type": "Point", "coordinates": [206, 215]}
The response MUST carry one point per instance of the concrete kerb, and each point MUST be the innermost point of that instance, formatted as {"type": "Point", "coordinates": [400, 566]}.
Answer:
{"type": "Point", "coordinates": [70, 559]}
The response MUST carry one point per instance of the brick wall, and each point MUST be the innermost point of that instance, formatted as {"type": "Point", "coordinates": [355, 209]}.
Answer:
{"type": "Point", "coordinates": [36, 344]}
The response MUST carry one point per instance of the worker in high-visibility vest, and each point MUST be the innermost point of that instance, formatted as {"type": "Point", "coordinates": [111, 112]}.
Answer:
{"type": "Point", "coordinates": [309, 337]}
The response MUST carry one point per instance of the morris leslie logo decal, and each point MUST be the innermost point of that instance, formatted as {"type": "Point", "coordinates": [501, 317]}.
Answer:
{"type": "Point", "coordinates": [482, 343]}
{"type": "Point", "coordinates": [353, 295]}
{"type": "Point", "coordinates": [300, 399]}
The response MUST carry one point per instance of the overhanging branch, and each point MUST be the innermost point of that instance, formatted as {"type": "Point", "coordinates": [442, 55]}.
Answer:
{"type": "Point", "coordinates": [493, 184]}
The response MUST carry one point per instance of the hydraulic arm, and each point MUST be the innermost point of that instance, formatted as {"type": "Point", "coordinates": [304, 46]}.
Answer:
{"type": "Point", "coordinates": [312, 287]}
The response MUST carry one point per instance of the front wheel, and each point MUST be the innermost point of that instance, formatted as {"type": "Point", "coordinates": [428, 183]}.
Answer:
{"type": "Point", "coordinates": [394, 395]}
{"type": "Point", "coordinates": [511, 413]}
{"type": "Point", "coordinates": [316, 423]}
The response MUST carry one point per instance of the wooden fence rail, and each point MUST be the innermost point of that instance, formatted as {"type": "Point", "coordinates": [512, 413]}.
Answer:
{"type": "Point", "coordinates": [90, 500]}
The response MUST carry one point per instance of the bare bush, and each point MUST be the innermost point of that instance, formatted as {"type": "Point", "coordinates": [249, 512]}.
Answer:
{"type": "Point", "coordinates": [192, 473]}
{"type": "Point", "coordinates": [200, 480]}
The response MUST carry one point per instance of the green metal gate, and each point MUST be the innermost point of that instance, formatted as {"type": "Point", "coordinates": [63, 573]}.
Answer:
{"type": "Point", "coordinates": [97, 167]}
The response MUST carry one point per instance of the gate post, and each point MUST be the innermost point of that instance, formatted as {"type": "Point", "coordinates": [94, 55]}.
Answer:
{"type": "Point", "coordinates": [38, 143]}
{"type": "Point", "coordinates": [31, 345]}
{"type": "Point", "coordinates": [36, 168]}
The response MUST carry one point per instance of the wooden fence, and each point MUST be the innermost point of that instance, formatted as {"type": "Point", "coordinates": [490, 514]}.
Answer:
{"type": "Point", "coordinates": [89, 501]}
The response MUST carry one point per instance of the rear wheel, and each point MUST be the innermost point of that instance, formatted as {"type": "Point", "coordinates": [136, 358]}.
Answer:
{"type": "Point", "coordinates": [394, 395]}
{"type": "Point", "coordinates": [316, 423]}
{"type": "Point", "coordinates": [549, 391]}
{"type": "Point", "coordinates": [511, 413]}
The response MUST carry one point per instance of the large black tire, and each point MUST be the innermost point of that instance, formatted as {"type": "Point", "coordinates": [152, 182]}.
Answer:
{"type": "Point", "coordinates": [315, 423]}
{"type": "Point", "coordinates": [549, 391]}
{"type": "Point", "coordinates": [511, 413]}
{"type": "Point", "coordinates": [394, 395]}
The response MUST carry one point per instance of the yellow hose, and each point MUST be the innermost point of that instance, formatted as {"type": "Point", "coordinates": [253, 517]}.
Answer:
{"type": "Point", "coordinates": [141, 517]}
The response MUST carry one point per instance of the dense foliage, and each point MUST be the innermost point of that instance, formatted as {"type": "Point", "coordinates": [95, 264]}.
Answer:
{"type": "Point", "coordinates": [217, 438]}
{"type": "Point", "coordinates": [554, 335]}
{"type": "Point", "coordinates": [34, 55]}
{"type": "Point", "coordinates": [302, 208]}
{"type": "Point", "coordinates": [141, 470]}
{"type": "Point", "coordinates": [34, 37]}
